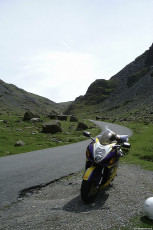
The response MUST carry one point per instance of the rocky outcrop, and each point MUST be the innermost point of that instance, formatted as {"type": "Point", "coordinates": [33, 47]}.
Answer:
{"type": "Point", "coordinates": [149, 58]}
{"type": "Point", "coordinates": [128, 90]}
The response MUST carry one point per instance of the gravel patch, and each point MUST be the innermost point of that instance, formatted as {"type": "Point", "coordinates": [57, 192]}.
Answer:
{"type": "Point", "coordinates": [59, 205]}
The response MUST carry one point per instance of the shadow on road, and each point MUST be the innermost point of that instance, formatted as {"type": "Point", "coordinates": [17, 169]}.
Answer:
{"type": "Point", "coordinates": [77, 205]}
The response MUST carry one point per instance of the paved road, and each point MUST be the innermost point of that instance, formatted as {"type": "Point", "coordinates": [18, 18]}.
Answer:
{"type": "Point", "coordinates": [25, 170]}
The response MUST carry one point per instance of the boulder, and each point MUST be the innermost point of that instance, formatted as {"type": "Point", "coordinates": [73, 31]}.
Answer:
{"type": "Point", "coordinates": [81, 126]}
{"type": "Point", "coordinates": [62, 117]}
{"type": "Point", "coordinates": [51, 127]}
{"type": "Point", "coordinates": [73, 118]}
{"type": "Point", "coordinates": [98, 117]}
{"type": "Point", "coordinates": [19, 143]}
{"type": "Point", "coordinates": [29, 115]}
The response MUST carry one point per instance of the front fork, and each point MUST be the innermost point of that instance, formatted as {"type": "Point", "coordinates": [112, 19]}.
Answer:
{"type": "Point", "coordinates": [102, 176]}
{"type": "Point", "coordinates": [94, 173]}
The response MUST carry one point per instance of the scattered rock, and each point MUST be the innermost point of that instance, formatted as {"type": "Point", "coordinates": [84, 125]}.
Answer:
{"type": "Point", "coordinates": [19, 130]}
{"type": "Point", "coordinates": [56, 140]}
{"type": "Point", "coordinates": [19, 143]}
{"type": "Point", "coordinates": [35, 119]}
{"type": "Point", "coordinates": [34, 132]}
{"type": "Point", "coordinates": [6, 122]}
{"type": "Point", "coordinates": [18, 121]}
{"type": "Point", "coordinates": [67, 133]}
{"type": "Point", "coordinates": [51, 127]}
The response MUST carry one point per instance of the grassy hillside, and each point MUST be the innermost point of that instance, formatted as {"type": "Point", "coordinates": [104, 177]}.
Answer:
{"type": "Point", "coordinates": [18, 100]}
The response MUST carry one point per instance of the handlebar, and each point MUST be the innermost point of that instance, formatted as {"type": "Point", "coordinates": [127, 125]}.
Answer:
{"type": "Point", "coordinates": [121, 139]}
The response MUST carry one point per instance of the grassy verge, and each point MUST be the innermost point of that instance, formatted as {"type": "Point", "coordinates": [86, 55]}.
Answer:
{"type": "Point", "coordinates": [138, 222]}
{"type": "Point", "coordinates": [141, 151]}
{"type": "Point", "coordinates": [13, 128]}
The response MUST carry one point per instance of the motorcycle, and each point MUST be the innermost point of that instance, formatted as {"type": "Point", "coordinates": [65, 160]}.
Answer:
{"type": "Point", "coordinates": [102, 160]}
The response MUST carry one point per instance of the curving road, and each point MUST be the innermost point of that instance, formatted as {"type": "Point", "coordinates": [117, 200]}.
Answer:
{"type": "Point", "coordinates": [19, 172]}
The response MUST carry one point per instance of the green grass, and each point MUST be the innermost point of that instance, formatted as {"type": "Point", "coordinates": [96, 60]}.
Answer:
{"type": "Point", "coordinates": [141, 222]}
{"type": "Point", "coordinates": [138, 222]}
{"type": "Point", "coordinates": [17, 129]}
{"type": "Point", "coordinates": [141, 151]}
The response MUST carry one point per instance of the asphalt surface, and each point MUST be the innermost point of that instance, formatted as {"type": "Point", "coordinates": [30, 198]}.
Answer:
{"type": "Point", "coordinates": [19, 172]}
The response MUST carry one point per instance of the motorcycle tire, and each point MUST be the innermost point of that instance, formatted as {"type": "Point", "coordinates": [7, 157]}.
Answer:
{"type": "Point", "coordinates": [89, 191]}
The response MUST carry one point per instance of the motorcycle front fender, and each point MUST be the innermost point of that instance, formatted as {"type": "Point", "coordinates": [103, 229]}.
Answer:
{"type": "Point", "coordinates": [88, 173]}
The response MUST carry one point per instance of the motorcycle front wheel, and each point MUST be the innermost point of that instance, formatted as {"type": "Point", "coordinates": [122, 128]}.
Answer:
{"type": "Point", "coordinates": [89, 191]}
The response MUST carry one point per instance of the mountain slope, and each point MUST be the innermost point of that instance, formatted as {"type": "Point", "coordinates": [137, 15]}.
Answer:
{"type": "Point", "coordinates": [15, 99]}
{"type": "Point", "coordinates": [129, 91]}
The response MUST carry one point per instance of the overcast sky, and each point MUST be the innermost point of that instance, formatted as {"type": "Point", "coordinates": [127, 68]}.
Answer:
{"type": "Point", "coordinates": [57, 48]}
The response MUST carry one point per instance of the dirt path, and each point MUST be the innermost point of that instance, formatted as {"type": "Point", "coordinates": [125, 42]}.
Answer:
{"type": "Point", "coordinates": [59, 205]}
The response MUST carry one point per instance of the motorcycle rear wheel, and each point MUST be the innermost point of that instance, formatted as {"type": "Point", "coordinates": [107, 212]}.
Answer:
{"type": "Point", "coordinates": [89, 191]}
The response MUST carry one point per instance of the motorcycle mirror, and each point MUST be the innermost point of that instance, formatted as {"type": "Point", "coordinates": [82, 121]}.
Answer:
{"type": "Point", "coordinates": [126, 145]}
{"type": "Point", "coordinates": [86, 134]}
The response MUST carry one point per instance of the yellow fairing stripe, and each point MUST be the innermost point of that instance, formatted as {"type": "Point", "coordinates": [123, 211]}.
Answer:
{"type": "Point", "coordinates": [88, 172]}
{"type": "Point", "coordinates": [97, 139]}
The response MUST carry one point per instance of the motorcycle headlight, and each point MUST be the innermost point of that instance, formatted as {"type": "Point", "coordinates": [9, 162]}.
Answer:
{"type": "Point", "coordinates": [99, 154]}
